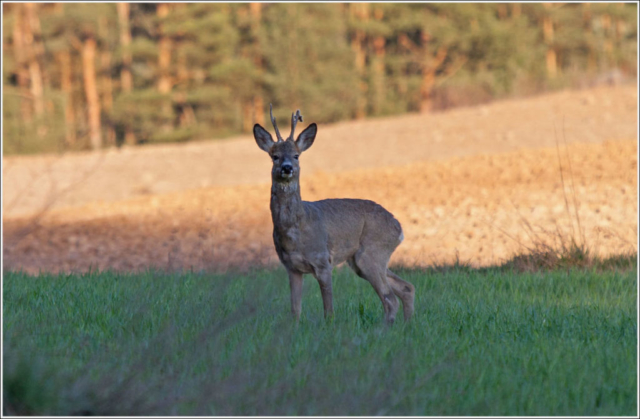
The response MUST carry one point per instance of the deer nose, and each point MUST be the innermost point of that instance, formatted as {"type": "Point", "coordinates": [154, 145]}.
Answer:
{"type": "Point", "coordinates": [287, 168]}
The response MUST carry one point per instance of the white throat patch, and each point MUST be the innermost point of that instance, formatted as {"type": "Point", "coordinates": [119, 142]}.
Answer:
{"type": "Point", "coordinates": [287, 186]}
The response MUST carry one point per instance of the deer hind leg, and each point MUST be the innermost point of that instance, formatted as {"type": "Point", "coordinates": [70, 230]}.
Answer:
{"type": "Point", "coordinates": [405, 291]}
{"type": "Point", "coordinates": [373, 267]}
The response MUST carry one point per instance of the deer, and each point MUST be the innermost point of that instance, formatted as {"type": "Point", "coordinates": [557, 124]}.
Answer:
{"type": "Point", "coordinates": [314, 237]}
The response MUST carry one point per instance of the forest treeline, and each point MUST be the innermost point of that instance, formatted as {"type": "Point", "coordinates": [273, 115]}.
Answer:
{"type": "Point", "coordinates": [87, 76]}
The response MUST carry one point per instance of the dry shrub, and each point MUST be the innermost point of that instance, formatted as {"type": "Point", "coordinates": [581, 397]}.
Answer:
{"type": "Point", "coordinates": [561, 249]}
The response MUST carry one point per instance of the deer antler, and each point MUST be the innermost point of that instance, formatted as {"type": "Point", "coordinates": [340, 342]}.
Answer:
{"type": "Point", "coordinates": [295, 117]}
{"type": "Point", "coordinates": [273, 121]}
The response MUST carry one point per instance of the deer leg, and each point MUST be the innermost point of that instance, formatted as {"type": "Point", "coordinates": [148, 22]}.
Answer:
{"type": "Point", "coordinates": [324, 278]}
{"type": "Point", "coordinates": [405, 291]}
{"type": "Point", "coordinates": [388, 298]}
{"type": "Point", "coordinates": [371, 269]}
{"type": "Point", "coordinates": [295, 282]}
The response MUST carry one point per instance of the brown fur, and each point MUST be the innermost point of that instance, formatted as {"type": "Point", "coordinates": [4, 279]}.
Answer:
{"type": "Point", "coordinates": [313, 237]}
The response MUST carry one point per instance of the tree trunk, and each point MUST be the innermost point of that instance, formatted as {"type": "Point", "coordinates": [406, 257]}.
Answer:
{"type": "Point", "coordinates": [430, 67]}
{"type": "Point", "coordinates": [187, 116]}
{"type": "Point", "coordinates": [126, 78]}
{"type": "Point", "coordinates": [258, 109]}
{"type": "Point", "coordinates": [91, 92]}
{"type": "Point", "coordinates": [502, 11]}
{"type": "Point", "coordinates": [378, 68]}
{"type": "Point", "coordinates": [516, 10]}
{"type": "Point", "coordinates": [38, 42]}
{"type": "Point", "coordinates": [247, 111]}
{"type": "Point", "coordinates": [620, 24]}
{"type": "Point", "coordinates": [378, 75]}
{"type": "Point", "coordinates": [106, 85]}
{"type": "Point", "coordinates": [182, 72]}
{"type": "Point", "coordinates": [591, 56]}
{"type": "Point", "coordinates": [552, 63]}
{"type": "Point", "coordinates": [22, 70]}
{"type": "Point", "coordinates": [32, 26]}
{"type": "Point", "coordinates": [64, 58]}
{"type": "Point", "coordinates": [255, 9]}
{"type": "Point", "coordinates": [258, 104]}
{"type": "Point", "coordinates": [164, 63]}
{"type": "Point", "coordinates": [164, 53]}
{"type": "Point", "coordinates": [608, 44]}
{"type": "Point", "coordinates": [360, 11]}
{"type": "Point", "coordinates": [426, 90]}
{"type": "Point", "coordinates": [547, 32]}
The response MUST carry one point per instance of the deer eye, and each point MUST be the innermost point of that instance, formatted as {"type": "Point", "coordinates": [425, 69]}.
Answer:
{"type": "Point", "coordinates": [296, 157]}
{"type": "Point", "coordinates": [275, 158]}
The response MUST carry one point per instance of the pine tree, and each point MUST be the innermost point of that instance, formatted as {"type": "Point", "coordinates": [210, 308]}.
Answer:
{"type": "Point", "coordinates": [126, 79]}
{"type": "Point", "coordinates": [308, 63]}
{"type": "Point", "coordinates": [82, 76]}
{"type": "Point", "coordinates": [34, 52]}
{"type": "Point", "coordinates": [164, 62]}
{"type": "Point", "coordinates": [358, 16]}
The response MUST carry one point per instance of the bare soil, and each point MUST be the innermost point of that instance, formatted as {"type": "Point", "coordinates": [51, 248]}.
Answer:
{"type": "Point", "coordinates": [478, 184]}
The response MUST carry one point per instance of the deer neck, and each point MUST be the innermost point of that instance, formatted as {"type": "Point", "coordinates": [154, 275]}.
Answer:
{"type": "Point", "coordinates": [286, 205]}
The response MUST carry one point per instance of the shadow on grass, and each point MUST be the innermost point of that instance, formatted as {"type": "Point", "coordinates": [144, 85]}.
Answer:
{"type": "Point", "coordinates": [544, 258]}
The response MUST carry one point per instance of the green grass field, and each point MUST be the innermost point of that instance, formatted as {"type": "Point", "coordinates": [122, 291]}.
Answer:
{"type": "Point", "coordinates": [483, 342]}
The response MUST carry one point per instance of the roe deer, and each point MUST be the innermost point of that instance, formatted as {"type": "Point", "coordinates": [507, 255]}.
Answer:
{"type": "Point", "coordinates": [313, 237]}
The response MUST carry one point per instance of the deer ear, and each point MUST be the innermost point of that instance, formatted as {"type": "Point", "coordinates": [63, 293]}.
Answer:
{"type": "Point", "coordinates": [263, 138]}
{"type": "Point", "coordinates": [306, 137]}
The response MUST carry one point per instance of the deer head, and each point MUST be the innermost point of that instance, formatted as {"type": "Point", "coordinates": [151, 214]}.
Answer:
{"type": "Point", "coordinates": [284, 153]}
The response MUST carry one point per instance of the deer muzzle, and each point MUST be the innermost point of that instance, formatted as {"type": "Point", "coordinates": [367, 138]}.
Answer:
{"type": "Point", "coordinates": [286, 170]}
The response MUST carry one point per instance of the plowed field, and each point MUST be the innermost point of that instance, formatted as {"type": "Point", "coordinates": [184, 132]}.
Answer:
{"type": "Point", "coordinates": [476, 184]}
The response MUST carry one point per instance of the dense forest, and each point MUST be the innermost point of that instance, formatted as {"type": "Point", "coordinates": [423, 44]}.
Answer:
{"type": "Point", "coordinates": [87, 76]}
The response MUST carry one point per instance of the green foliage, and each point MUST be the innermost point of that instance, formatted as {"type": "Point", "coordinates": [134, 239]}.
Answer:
{"type": "Point", "coordinates": [42, 134]}
{"type": "Point", "coordinates": [314, 73]}
{"type": "Point", "coordinates": [226, 64]}
{"type": "Point", "coordinates": [483, 342]}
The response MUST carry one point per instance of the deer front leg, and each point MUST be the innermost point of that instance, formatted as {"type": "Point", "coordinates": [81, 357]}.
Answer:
{"type": "Point", "coordinates": [325, 281]}
{"type": "Point", "coordinates": [295, 282]}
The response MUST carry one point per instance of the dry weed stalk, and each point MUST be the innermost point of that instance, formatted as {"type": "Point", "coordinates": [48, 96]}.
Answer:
{"type": "Point", "coordinates": [552, 249]}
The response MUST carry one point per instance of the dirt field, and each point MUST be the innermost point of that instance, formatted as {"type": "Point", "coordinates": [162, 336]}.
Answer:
{"type": "Point", "coordinates": [475, 183]}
